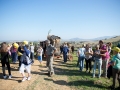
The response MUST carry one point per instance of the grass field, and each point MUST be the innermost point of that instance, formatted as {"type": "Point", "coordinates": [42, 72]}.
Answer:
{"type": "Point", "coordinates": [82, 80]}
{"type": "Point", "coordinates": [67, 77]}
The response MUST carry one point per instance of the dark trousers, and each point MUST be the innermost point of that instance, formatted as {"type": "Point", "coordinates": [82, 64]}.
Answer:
{"type": "Point", "coordinates": [116, 75]}
{"type": "Point", "coordinates": [19, 57]}
{"type": "Point", "coordinates": [32, 56]}
{"type": "Point", "coordinates": [14, 57]}
{"type": "Point", "coordinates": [8, 67]}
{"type": "Point", "coordinates": [65, 57]}
{"type": "Point", "coordinates": [88, 64]}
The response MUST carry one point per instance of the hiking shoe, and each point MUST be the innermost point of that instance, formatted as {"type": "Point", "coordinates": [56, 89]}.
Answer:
{"type": "Point", "coordinates": [51, 74]}
{"type": "Point", "coordinates": [10, 76]}
{"type": "Point", "coordinates": [89, 71]}
{"type": "Point", "coordinates": [112, 88]}
{"type": "Point", "coordinates": [24, 79]}
{"type": "Point", "coordinates": [86, 71]}
{"type": "Point", "coordinates": [5, 77]}
{"type": "Point", "coordinates": [28, 78]}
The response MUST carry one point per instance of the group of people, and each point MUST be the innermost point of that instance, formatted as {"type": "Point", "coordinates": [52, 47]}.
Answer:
{"type": "Point", "coordinates": [101, 57]}
{"type": "Point", "coordinates": [24, 53]}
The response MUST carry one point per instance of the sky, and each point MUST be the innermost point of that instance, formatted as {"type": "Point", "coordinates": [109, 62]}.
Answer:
{"type": "Point", "coordinates": [32, 19]}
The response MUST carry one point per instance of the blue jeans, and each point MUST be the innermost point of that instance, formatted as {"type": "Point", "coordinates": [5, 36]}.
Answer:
{"type": "Point", "coordinates": [65, 57]}
{"type": "Point", "coordinates": [81, 62]}
{"type": "Point", "coordinates": [99, 62]}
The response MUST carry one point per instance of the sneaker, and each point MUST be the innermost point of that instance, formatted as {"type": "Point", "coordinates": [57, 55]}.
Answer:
{"type": "Point", "coordinates": [24, 79]}
{"type": "Point", "coordinates": [51, 74]}
{"type": "Point", "coordinates": [10, 76]}
{"type": "Point", "coordinates": [86, 71]}
{"type": "Point", "coordinates": [5, 77]}
{"type": "Point", "coordinates": [28, 78]}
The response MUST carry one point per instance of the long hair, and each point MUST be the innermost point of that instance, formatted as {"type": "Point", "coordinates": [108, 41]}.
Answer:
{"type": "Point", "coordinates": [4, 47]}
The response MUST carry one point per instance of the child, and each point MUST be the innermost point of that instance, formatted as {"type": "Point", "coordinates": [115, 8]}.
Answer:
{"type": "Point", "coordinates": [98, 60]}
{"type": "Point", "coordinates": [40, 51]}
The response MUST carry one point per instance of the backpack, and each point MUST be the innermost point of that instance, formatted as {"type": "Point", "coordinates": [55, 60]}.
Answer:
{"type": "Point", "coordinates": [26, 59]}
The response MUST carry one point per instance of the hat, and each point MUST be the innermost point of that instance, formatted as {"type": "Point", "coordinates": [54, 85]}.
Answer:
{"type": "Point", "coordinates": [31, 43]}
{"type": "Point", "coordinates": [116, 49]}
{"type": "Point", "coordinates": [15, 45]}
{"type": "Point", "coordinates": [25, 42]}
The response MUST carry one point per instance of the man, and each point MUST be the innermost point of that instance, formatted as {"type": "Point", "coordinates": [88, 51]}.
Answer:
{"type": "Point", "coordinates": [105, 59]}
{"type": "Point", "coordinates": [50, 50]}
{"type": "Point", "coordinates": [81, 57]}
{"type": "Point", "coordinates": [32, 51]}
{"type": "Point", "coordinates": [65, 52]}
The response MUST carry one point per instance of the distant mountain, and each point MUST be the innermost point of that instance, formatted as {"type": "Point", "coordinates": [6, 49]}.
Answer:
{"type": "Point", "coordinates": [99, 38]}
{"type": "Point", "coordinates": [77, 39]}
{"type": "Point", "coordinates": [102, 38]}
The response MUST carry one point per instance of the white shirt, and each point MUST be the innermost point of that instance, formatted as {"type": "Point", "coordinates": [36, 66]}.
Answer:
{"type": "Point", "coordinates": [32, 49]}
{"type": "Point", "coordinates": [40, 51]}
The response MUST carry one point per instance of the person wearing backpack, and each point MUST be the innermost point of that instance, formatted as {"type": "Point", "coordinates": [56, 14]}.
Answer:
{"type": "Point", "coordinates": [25, 62]}
{"type": "Point", "coordinates": [116, 67]}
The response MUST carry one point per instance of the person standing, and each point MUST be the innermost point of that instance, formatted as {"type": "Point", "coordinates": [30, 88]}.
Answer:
{"type": "Point", "coordinates": [61, 49]}
{"type": "Point", "coordinates": [32, 51]}
{"type": "Point", "coordinates": [105, 59]}
{"type": "Point", "coordinates": [5, 60]}
{"type": "Point", "coordinates": [13, 50]}
{"type": "Point", "coordinates": [25, 62]}
{"type": "Point", "coordinates": [65, 52]}
{"type": "Point", "coordinates": [88, 57]}
{"type": "Point", "coordinates": [98, 60]}
{"type": "Point", "coordinates": [20, 52]}
{"type": "Point", "coordinates": [72, 48]}
{"type": "Point", "coordinates": [116, 67]}
{"type": "Point", "coordinates": [81, 57]}
{"type": "Point", "coordinates": [40, 52]}
{"type": "Point", "coordinates": [50, 50]}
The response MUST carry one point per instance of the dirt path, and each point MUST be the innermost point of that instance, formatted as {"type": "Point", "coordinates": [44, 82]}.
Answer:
{"type": "Point", "coordinates": [39, 79]}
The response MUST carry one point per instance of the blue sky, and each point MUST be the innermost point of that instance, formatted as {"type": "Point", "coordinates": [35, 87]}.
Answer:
{"type": "Point", "coordinates": [32, 19]}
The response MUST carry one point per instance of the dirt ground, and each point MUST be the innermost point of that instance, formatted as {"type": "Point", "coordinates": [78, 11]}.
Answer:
{"type": "Point", "coordinates": [39, 78]}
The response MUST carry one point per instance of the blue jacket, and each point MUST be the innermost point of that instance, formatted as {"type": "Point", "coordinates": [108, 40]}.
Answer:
{"type": "Point", "coordinates": [65, 50]}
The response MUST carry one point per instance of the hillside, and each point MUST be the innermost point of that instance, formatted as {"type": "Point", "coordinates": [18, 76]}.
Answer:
{"type": "Point", "coordinates": [113, 39]}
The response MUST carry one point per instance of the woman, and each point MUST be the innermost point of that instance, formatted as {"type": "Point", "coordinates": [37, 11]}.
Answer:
{"type": "Point", "coordinates": [98, 60]}
{"type": "Point", "coordinates": [14, 49]}
{"type": "Point", "coordinates": [25, 62]}
{"type": "Point", "coordinates": [116, 66]}
{"type": "Point", "coordinates": [5, 60]}
{"type": "Point", "coordinates": [40, 52]}
{"type": "Point", "coordinates": [88, 57]}
{"type": "Point", "coordinates": [109, 45]}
